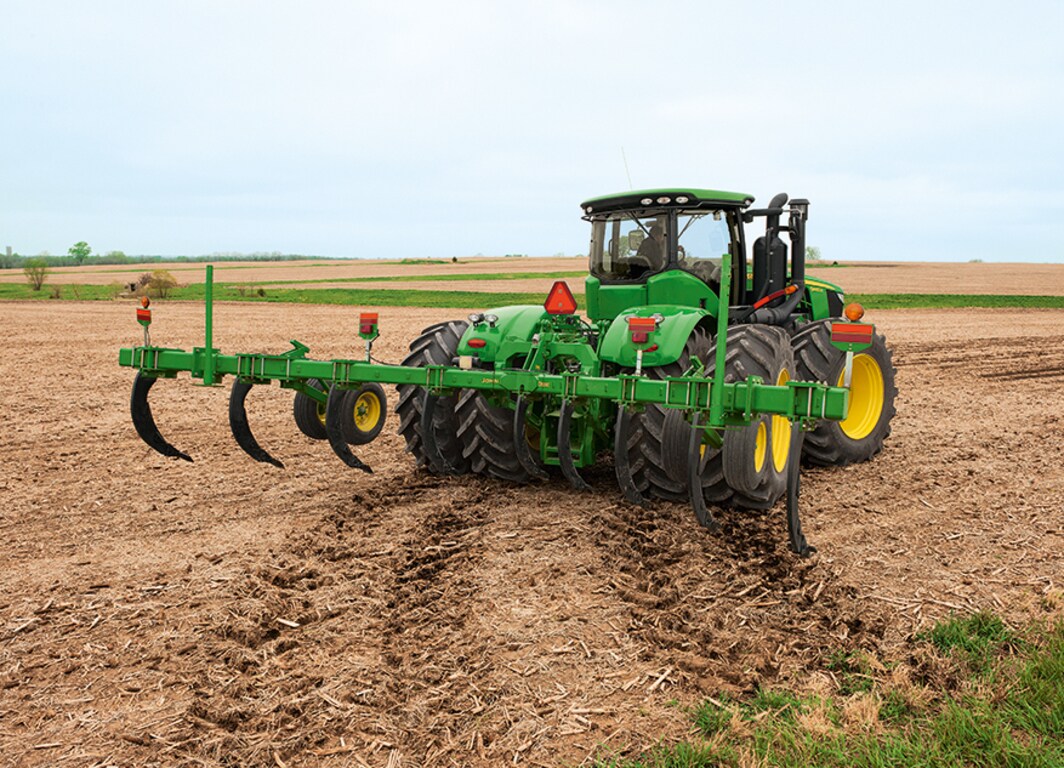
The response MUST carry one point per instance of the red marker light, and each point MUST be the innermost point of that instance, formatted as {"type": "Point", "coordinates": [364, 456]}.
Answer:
{"type": "Point", "coordinates": [477, 343]}
{"type": "Point", "coordinates": [640, 328]}
{"type": "Point", "coordinates": [367, 323]}
{"type": "Point", "coordinates": [560, 300]}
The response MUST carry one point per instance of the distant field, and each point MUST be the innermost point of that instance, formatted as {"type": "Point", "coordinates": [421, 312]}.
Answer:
{"type": "Point", "coordinates": [467, 297]}
{"type": "Point", "coordinates": [535, 275]}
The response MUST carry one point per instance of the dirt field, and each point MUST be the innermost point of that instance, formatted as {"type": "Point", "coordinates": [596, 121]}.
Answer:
{"type": "Point", "coordinates": [856, 277]}
{"type": "Point", "coordinates": [154, 612]}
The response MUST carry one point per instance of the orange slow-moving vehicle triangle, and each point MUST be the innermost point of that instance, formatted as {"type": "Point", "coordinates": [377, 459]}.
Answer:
{"type": "Point", "coordinates": [560, 300]}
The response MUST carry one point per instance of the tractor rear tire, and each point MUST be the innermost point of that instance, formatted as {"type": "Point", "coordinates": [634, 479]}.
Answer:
{"type": "Point", "coordinates": [437, 345]}
{"type": "Point", "coordinates": [658, 440]}
{"type": "Point", "coordinates": [310, 414]}
{"type": "Point", "coordinates": [486, 434]}
{"type": "Point", "coordinates": [861, 435]}
{"type": "Point", "coordinates": [755, 458]}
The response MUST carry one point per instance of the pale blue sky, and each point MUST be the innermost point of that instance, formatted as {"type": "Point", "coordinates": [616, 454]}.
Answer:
{"type": "Point", "coordinates": [926, 131]}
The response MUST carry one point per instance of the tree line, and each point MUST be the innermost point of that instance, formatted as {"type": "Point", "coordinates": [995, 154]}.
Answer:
{"type": "Point", "coordinates": [81, 254]}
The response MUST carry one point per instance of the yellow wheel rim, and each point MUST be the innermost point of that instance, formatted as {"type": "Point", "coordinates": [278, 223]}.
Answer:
{"type": "Point", "coordinates": [532, 437]}
{"type": "Point", "coordinates": [367, 411]}
{"type": "Point", "coordinates": [760, 447]}
{"type": "Point", "coordinates": [866, 398]}
{"type": "Point", "coordinates": [320, 409]}
{"type": "Point", "coordinates": [781, 431]}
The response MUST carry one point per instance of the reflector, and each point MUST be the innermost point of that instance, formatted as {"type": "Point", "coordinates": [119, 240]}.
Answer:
{"type": "Point", "coordinates": [645, 324]}
{"type": "Point", "coordinates": [560, 300]}
{"type": "Point", "coordinates": [851, 333]}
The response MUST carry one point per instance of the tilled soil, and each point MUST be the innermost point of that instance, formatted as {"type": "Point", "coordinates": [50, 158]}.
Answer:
{"type": "Point", "coordinates": [155, 612]}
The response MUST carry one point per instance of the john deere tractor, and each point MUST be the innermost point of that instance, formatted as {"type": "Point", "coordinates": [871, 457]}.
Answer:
{"type": "Point", "coordinates": [700, 366]}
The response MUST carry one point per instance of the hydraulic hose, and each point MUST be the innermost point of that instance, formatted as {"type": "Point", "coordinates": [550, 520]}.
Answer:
{"type": "Point", "coordinates": [777, 315]}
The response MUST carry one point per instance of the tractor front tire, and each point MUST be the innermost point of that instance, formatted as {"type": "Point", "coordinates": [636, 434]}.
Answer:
{"type": "Point", "coordinates": [861, 434]}
{"type": "Point", "coordinates": [486, 435]}
{"type": "Point", "coordinates": [437, 345]}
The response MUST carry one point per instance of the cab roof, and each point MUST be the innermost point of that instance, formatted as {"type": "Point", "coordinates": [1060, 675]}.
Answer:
{"type": "Point", "coordinates": [646, 198]}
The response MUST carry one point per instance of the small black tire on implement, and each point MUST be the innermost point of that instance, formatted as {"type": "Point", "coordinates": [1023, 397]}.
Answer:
{"type": "Point", "coordinates": [310, 414]}
{"type": "Point", "coordinates": [861, 435]}
{"type": "Point", "coordinates": [368, 408]}
{"type": "Point", "coordinates": [437, 345]}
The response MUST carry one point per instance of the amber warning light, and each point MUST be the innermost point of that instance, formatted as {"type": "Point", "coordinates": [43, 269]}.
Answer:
{"type": "Point", "coordinates": [854, 312]}
{"type": "Point", "coordinates": [560, 300]}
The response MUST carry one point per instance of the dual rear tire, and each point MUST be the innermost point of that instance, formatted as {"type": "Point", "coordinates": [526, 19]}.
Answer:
{"type": "Point", "coordinates": [472, 433]}
{"type": "Point", "coordinates": [750, 469]}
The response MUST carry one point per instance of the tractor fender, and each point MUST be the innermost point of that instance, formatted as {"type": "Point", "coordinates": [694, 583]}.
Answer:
{"type": "Point", "coordinates": [511, 334]}
{"type": "Point", "coordinates": [824, 299]}
{"type": "Point", "coordinates": [670, 337]}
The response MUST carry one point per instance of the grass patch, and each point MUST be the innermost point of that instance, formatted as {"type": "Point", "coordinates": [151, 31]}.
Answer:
{"type": "Point", "coordinates": [69, 291]}
{"type": "Point", "coordinates": [1006, 709]}
{"type": "Point", "coordinates": [369, 297]}
{"type": "Point", "coordinates": [954, 301]}
{"type": "Point", "coordinates": [426, 278]}
{"type": "Point", "coordinates": [387, 297]}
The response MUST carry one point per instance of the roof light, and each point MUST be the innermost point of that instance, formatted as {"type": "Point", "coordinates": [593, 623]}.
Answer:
{"type": "Point", "coordinates": [663, 200]}
{"type": "Point", "coordinates": [589, 209]}
{"type": "Point", "coordinates": [646, 201]}
{"type": "Point", "coordinates": [560, 300]}
{"type": "Point", "coordinates": [854, 312]}
{"type": "Point", "coordinates": [682, 199]}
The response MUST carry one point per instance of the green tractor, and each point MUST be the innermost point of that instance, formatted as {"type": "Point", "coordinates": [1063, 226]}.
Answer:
{"type": "Point", "coordinates": [704, 373]}
{"type": "Point", "coordinates": [658, 253]}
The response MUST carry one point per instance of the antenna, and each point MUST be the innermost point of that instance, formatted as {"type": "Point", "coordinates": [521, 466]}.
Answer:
{"type": "Point", "coordinates": [626, 171]}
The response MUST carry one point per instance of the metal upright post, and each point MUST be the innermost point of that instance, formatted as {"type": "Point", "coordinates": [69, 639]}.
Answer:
{"type": "Point", "coordinates": [208, 362]}
{"type": "Point", "coordinates": [716, 394]}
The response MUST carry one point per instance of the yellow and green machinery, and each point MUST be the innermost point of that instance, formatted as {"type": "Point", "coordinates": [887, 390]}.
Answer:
{"type": "Point", "coordinates": [704, 373]}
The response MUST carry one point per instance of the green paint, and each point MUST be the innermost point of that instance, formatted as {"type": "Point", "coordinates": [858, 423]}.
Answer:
{"type": "Point", "coordinates": [671, 335]}
{"type": "Point", "coordinates": [696, 196]}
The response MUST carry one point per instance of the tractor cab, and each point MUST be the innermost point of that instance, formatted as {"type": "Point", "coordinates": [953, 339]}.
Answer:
{"type": "Point", "coordinates": [664, 246]}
